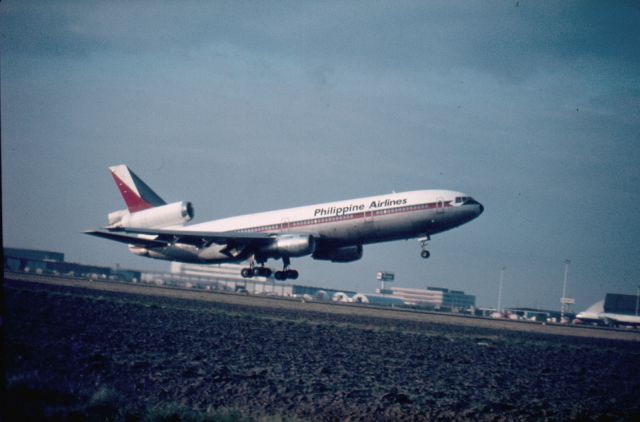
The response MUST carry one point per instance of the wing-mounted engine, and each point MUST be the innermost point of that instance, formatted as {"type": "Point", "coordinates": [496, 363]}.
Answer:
{"type": "Point", "coordinates": [340, 254]}
{"type": "Point", "coordinates": [173, 214]}
{"type": "Point", "coordinates": [290, 245]}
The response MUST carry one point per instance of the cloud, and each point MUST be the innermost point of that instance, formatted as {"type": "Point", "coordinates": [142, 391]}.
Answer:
{"type": "Point", "coordinates": [510, 40]}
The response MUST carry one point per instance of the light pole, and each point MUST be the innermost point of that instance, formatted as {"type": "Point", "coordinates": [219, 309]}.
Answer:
{"type": "Point", "coordinates": [637, 299]}
{"type": "Point", "coordinates": [563, 306]}
{"type": "Point", "coordinates": [500, 290]}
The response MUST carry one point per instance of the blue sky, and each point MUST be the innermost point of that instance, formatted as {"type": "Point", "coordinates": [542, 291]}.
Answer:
{"type": "Point", "coordinates": [533, 108]}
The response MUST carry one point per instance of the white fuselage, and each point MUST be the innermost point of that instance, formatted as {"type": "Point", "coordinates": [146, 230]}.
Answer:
{"type": "Point", "coordinates": [360, 221]}
{"type": "Point", "coordinates": [334, 231]}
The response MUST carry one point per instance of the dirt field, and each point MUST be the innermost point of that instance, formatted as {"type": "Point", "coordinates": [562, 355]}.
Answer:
{"type": "Point", "coordinates": [75, 353]}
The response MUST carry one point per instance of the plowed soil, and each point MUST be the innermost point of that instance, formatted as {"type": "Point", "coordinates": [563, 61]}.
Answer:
{"type": "Point", "coordinates": [75, 354]}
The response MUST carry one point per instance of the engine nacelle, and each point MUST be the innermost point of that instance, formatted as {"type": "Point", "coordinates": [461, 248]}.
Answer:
{"type": "Point", "coordinates": [182, 252]}
{"type": "Point", "coordinates": [114, 218]}
{"type": "Point", "coordinates": [291, 245]}
{"type": "Point", "coordinates": [166, 215]}
{"type": "Point", "coordinates": [341, 254]}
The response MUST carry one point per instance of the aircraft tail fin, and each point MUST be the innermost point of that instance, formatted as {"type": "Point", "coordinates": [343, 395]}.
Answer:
{"type": "Point", "coordinates": [136, 194]}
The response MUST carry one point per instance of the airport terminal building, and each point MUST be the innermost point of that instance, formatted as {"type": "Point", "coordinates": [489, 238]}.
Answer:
{"type": "Point", "coordinates": [438, 298]}
{"type": "Point", "coordinates": [53, 263]}
{"type": "Point", "coordinates": [226, 277]}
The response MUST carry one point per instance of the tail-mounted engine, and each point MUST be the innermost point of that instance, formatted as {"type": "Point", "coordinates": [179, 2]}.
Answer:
{"type": "Point", "coordinates": [173, 214]}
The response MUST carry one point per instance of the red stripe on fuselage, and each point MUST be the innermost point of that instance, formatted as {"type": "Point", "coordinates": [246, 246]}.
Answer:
{"type": "Point", "coordinates": [355, 216]}
{"type": "Point", "coordinates": [133, 201]}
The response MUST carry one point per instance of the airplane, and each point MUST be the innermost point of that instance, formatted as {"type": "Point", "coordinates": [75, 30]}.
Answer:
{"type": "Point", "coordinates": [601, 313]}
{"type": "Point", "coordinates": [333, 231]}
{"type": "Point", "coordinates": [591, 315]}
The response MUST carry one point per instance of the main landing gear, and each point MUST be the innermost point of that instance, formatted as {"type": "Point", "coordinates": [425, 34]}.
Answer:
{"type": "Point", "coordinates": [256, 271]}
{"type": "Point", "coordinates": [423, 244]}
{"type": "Point", "coordinates": [286, 273]}
{"type": "Point", "coordinates": [262, 271]}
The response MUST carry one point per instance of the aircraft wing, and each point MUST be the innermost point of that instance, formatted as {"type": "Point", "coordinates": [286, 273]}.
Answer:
{"type": "Point", "coordinates": [163, 237]}
{"type": "Point", "coordinates": [126, 238]}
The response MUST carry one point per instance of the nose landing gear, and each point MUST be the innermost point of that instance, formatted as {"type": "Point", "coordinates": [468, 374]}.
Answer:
{"type": "Point", "coordinates": [423, 244]}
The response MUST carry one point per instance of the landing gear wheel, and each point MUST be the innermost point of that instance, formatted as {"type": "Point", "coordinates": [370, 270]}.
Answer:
{"type": "Point", "coordinates": [423, 244]}
{"type": "Point", "coordinates": [286, 273]}
{"type": "Point", "coordinates": [247, 272]}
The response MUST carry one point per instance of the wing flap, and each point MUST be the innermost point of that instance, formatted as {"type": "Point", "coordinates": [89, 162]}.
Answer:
{"type": "Point", "coordinates": [127, 238]}
{"type": "Point", "coordinates": [192, 236]}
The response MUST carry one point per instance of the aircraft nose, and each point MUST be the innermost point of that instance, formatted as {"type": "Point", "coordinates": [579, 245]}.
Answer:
{"type": "Point", "coordinates": [480, 208]}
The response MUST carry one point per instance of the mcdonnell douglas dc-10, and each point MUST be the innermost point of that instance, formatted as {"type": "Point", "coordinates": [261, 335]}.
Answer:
{"type": "Point", "coordinates": [334, 231]}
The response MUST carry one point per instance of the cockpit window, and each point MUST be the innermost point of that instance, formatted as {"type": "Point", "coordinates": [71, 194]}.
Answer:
{"type": "Point", "coordinates": [461, 199]}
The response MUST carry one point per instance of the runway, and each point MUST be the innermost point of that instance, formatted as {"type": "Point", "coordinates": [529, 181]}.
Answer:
{"type": "Point", "coordinates": [336, 308]}
{"type": "Point", "coordinates": [87, 350]}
